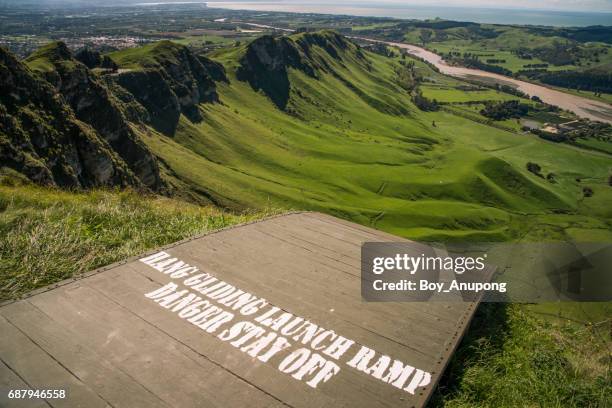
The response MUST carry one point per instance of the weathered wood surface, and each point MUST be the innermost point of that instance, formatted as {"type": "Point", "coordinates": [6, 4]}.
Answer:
{"type": "Point", "coordinates": [108, 344]}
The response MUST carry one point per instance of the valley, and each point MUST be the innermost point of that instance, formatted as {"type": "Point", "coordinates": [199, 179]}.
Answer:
{"type": "Point", "coordinates": [391, 168]}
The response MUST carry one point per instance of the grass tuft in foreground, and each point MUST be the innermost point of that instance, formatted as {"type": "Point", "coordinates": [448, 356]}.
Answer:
{"type": "Point", "coordinates": [47, 235]}
{"type": "Point", "coordinates": [511, 358]}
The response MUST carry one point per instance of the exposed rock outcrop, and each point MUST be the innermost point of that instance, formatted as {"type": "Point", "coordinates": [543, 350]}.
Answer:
{"type": "Point", "coordinates": [267, 59]}
{"type": "Point", "coordinates": [93, 59]}
{"type": "Point", "coordinates": [63, 123]}
{"type": "Point", "coordinates": [154, 93]}
{"type": "Point", "coordinates": [170, 81]}
{"type": "Point", "coordinates": [95, 105]}
{"type": "Point", "coordinates": [41, 138]}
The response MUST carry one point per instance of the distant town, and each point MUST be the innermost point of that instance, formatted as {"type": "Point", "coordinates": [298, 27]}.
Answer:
{"type": "Point", "coordinates": [26, 44]}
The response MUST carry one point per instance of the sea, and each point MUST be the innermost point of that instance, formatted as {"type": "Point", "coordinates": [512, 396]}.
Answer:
{"type": "Point", "coordinates": [422, 12]}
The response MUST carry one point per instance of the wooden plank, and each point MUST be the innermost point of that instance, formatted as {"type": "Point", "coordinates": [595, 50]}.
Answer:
{"type": "Point", "coordinates": [41, 371]}
{"type": "Point", "coordinates": [159, 362]}
{"type": "Point", "coordinates": [90, 365]}
{"type": "Point", "coordinates": [317, 287]}
{"type": "Point", "coordinates": [261, 375]}
{"type": "Point", "coordinates": [323, 317]}
{"type": "Point", "coordinates": [314, 281]}
{"type": "Point", "coordinates": [111, 345]}
{"type": "Point", "coordinates": [10, 380]}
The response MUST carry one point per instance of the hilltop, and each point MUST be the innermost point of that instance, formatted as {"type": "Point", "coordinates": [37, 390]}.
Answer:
{"type": "Point", "coordinates": [267, 59]}
{"type": "Point", "coordinates": [94, 104]}
{"type": "Point", "coordinates": [168, 80]}
{"type": "Point", "coordinates": [71, 125]}
{"type": "Point", "coordinates": [41, 137]}
{"type": "Point", "coordinates": [347, 139]}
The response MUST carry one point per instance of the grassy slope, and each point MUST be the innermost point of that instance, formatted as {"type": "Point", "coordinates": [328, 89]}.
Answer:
{"type": "Point", "coordinates": [47, 235]}
{"type": "Point", "coordinates": [45, 57]}
{"type": "Point", "coordinates": [509, 358]}
{"type": "Point", "coordinates": [147, 56]}
{"type": "Point", "coordinates": [457, 180]}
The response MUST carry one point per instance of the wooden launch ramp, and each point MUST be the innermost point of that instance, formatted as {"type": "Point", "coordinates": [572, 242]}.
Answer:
{"type": "Point", "coordinates": [293, 332]}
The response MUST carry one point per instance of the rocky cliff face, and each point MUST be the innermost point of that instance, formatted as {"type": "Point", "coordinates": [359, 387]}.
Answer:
{"type": "Point", "coordinates": [267, 59]}
{"type": "Point", "coordinates": [95, 105]}
{"type": "Point", "coordinates": [63, 123]}
{"type": "Point", "coordinates": [41, 137]}
{"type": "Point", "coordinates": [154, 93]}
{"type": "Point", "coordinates": [171, 81]}
{"type": "Point", "coordinates": [93, 59]}
{"type": "Point", "coordinates": [265, 63]}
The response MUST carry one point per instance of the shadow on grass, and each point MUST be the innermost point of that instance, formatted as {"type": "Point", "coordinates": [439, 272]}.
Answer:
{"type": "Point", "coordinates": [489, 326]}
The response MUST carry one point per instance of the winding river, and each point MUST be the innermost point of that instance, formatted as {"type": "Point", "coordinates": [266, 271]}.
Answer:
{"type": "Point", "coordinates": [581, 106]}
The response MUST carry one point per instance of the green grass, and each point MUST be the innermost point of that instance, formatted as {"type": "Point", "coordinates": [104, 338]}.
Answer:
{"type": "Point", "coordinates": [595, 144]}
{"type": "Point", "coordinates": [371, 26]}
{"type": "Point", "coordinates": [47, 235]}
{"type": "Point", "coordinates": [454, 95]}
{"type": "Point", "coordinates": [45, 58]}
{"type": "Point", "coordinates": [368, 155]}
{"type": "Point", "coordinates": [512, 61]}
{"type": "Point", "coordinates": [511, 358]}
{"type": "Point", "coordinates": [147, 56]}
{"type": "Point", "coordinates": [364, 160]}
{"type": "Point", "coordinates": [207, 39]}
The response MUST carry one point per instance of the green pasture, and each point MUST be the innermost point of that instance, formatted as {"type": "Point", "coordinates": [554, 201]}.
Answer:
{"type": "Point", "coordinates": [454, 95]}
{"type": "Point", "coordinates": [366, 153]}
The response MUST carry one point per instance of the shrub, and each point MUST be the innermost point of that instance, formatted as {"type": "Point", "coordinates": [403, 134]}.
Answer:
{"type": "Point", "coordinates": [505, 110]}
{"type": "Point", "coordinates": [535, 169]}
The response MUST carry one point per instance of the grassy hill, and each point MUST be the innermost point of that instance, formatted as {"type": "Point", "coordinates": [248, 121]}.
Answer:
{"type": "Point", "coordinates": [47, 234]}
{"type": "Point", "coordinates": [349, 141]}
{"type": "Point", "coordinates": [508, 357]}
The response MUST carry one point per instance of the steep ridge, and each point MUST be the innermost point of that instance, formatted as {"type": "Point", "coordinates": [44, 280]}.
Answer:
{"type": "Point", "coordinates": [168, 80]}
{"type": "Point", "coordinates": [100, 114]}
{"type": "Point", "coordinates": [266, 61]}
{"type": "Point", "coordinates": [41, 138]}
{"type": "Point", "coordinates": [93, 104]}
{"type": "Point", "coordinates": [93, 59]}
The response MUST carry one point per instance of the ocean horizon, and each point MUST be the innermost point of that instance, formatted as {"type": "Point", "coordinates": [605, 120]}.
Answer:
{"type": "Point", "coordinates": [394, 10]}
